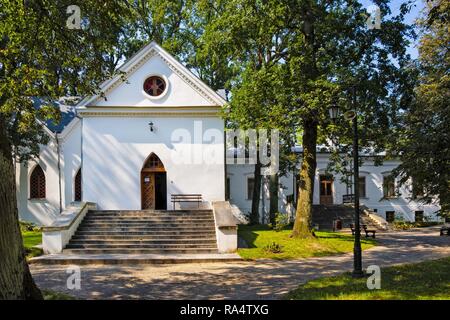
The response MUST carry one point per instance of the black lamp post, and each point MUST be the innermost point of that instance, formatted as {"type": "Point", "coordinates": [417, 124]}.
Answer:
{"type": "Point", "coordinates": [357, 252]}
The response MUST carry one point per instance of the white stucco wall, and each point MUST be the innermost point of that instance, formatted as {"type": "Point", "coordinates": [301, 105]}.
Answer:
{"type": "Point", "coordinates": [113, 140]}
{"type": "Point", "coordinates": [130, 93]}
{"type": "Point", "coordinates": [115, 149]}
{"type": "Point", "coordinates": [71, 160]}
{"type": "Point", "coordinates": [39, 211]}
{"type": "Point", "coordinates": [403, 205]}
{"type": "Point", "coordinates": [239, 175]}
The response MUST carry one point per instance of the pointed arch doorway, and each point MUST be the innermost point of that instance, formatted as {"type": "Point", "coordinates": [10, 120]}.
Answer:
{"type": "Point", "coordinates": [153, 184]}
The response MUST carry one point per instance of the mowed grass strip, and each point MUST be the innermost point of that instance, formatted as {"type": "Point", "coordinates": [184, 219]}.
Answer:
{"type": "Point", "coordinates": [428, 280]}
{"type": "Point", "coordinates": [258, 237]}
{"type": "Point", "coordinates": [31, 239]}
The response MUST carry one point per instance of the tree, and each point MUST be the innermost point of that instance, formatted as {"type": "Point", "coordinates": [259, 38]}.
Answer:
{"type": "Point", "coordinates": [295, 58]}
{"type": "Point", "coordinates": [252, 37]}
{"type": "Point", "coordinates": [424, 147]}
{"type": "Point", "coordinates": [332, 51]}
{"type": "Point", "coordinates": [40, 56]}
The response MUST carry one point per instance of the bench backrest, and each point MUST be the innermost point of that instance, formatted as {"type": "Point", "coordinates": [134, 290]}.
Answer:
{"type": "Point", "coordinates": [186, 197]}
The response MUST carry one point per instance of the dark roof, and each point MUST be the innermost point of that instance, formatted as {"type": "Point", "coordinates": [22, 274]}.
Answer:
{"type": "Point", "coordinates": [67, 114]}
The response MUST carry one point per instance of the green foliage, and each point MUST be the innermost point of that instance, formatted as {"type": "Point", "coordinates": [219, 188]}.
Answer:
{"type": "Point", "coordinates": [30, 240]}
{"type": "Point", "coordinates": [41, 57]}
{"type": "Point", "coordinates": [293, 59]}
{"type": "Point", "coordinates": [424, 144]}
{"type": "Point", "coordinates": [406, 225]}
{"type": "Point", "coordinates": [28, 226]}
{"type": "Point", "coordinates": [54, 295]}
{"type": "Point", "coordinates": [258, 237]}
{"type": "Point", "coordinates": [419, 281]}
{"type": "Point", "coordinates": [281, 222]}
{"type": "Point", "coordinates": [273, 247]}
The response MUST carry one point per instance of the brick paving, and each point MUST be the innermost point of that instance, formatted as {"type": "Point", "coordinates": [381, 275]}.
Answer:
{"type": "Point", "coordinates": [262, 279]}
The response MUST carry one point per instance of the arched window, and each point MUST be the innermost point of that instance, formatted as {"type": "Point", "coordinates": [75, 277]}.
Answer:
{"type": "Point", "coordinates": [153, 163]}
{"type": "Point", "coordinates": [77, 186]}
{"type": "Point", "coordinates": [37, 183]}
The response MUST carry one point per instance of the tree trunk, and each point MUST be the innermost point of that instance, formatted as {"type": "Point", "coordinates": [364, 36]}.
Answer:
{"type": "Point", "coordinates": [273, 183]}
{"type": "Point", "coordinates": [15, 277]}
{"type": "Point", "coordinates": [303, 216]}
{"type": "Point", "coordinates": [254, 215]}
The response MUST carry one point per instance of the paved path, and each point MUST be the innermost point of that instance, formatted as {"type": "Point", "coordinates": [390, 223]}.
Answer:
{"type": "Point", "coordinates": [264, 279]}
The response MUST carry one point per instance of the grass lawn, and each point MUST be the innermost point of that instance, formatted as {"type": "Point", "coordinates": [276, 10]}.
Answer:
{"type": "Point", "coordinates": [30, 239]}
{"type": "Point", "coordinates": [326, 243]}
{"type": "Point", "coordinates": [53, 295]}
{"type": "Point", "coordinates": [428, 280]}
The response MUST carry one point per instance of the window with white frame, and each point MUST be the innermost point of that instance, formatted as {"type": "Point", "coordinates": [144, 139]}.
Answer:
{"type": "Point", "coordinates": [389, 186]}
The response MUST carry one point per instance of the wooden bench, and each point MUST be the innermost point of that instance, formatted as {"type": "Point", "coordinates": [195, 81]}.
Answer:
{"type": "Point", "coordinates": [186, 198]}
{"type": "Point", "coordinates": [369, 232]}
{"type": "Point", "coordinates": [445, 231]}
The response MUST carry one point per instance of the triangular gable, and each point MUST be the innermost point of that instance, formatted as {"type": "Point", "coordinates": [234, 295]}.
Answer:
{"type": "Point", "coordinates": [149, 57]}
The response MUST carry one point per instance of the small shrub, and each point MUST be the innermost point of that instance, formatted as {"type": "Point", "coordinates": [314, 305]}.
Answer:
{"type": "Point", "coordinates": [399, 217]}
{"type": "Point", "coordinates": [28, 226]}
{"type": "Point", "coordinates": [273, 247]}
{"type": "Point", "coordinates": [405, 225]}
{"type": "Point", "coordinates": [402, 225]}
{"type": "Point", "coordinates": [281, 222]}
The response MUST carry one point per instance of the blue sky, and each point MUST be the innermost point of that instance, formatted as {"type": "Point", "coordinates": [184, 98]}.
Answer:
{"type": "Point", "coordinates": [410, 18]}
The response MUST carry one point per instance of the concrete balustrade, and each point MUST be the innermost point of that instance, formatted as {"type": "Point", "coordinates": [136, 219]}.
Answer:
{"type": "Point", "coordinates": [57, 235]}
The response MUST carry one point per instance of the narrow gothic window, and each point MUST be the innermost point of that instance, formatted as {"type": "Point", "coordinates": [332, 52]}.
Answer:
{"type": "Point", "coordinates": [78, 186]}
{"type": "Point", "coordinates": [37, 183]}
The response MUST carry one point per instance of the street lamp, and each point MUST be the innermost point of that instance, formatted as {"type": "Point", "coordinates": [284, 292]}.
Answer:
{"type": "Point", "coordinates": [334, 112]}
{"type": "Point", "coordinates": [351, 115]}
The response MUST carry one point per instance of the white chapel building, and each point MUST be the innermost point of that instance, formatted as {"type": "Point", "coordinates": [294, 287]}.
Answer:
{"type": "Point", "coordinates": [157, 132]}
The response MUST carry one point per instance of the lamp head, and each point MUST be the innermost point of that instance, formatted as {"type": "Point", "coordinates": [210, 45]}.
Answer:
{"type": "Point", "coordinates": [334, 112]}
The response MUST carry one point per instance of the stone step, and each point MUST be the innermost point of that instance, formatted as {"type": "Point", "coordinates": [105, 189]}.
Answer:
{"type": "Point", "coordinates": [133, 259]}
{"type": "Point", "coordinates": [144, 237]}
{"type": "Point", "coordinates": [148, 218]}
{"type": "Point", "coordinates": [144, 232]}
{"type": "Point", "coordinates": [150, 227]}
{"type": "Point", "coordinates": [175, 232]}
{"type": "Point", "coordinates": [151, 212]}
{"type": "Point", "coordinates": [147, 229]}
{"type": "Point", "coordinates": [178, 222]}
{"type": "Point", "coordinates": [148, 215]}
{"type": "Point", "coordinates": [141, 251]}
{"type": "Point", "coordinates": [124, 245]}
{"type": "Point", "coordinates": [146, 241]}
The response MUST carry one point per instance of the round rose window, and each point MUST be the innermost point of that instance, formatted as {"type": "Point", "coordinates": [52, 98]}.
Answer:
{"type": "Point", "coordinates": [154, 86]}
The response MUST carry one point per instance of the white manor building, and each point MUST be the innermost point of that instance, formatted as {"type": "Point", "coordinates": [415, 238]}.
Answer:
{"type": "Point", "coordinates": [160, 133]}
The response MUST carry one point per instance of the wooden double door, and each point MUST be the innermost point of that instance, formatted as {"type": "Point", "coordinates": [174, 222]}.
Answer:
{"type": "Point", "coordinates": [153, 184]}
{"type": "Point", "coordinates": [154, 190]}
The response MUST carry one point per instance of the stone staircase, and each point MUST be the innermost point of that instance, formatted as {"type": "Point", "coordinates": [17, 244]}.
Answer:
{"type": "Point", "coordinates": [324, 215]}
{"type": "Point", "coordinates": [145, 232]}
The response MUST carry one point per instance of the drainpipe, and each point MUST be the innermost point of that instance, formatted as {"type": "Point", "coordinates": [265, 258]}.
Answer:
{"type": "Point", "coordinates": [58, 150]}
{"type": "Point", "coordinates": [81, 152]}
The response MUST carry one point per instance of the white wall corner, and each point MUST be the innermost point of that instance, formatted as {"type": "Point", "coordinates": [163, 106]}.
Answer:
{"type": "Point", "coordinates": [226, 225]}
{"type": "Point", "coordinates": [56, 236]}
